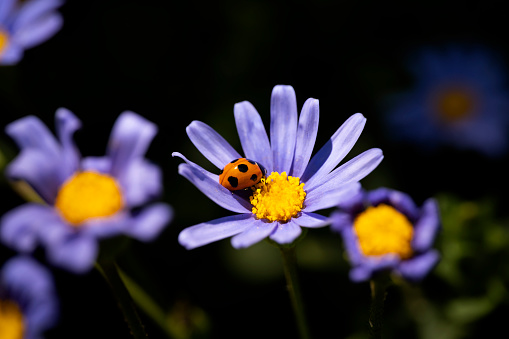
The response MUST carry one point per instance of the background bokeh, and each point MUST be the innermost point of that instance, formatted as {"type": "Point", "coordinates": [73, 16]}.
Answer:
{"type": "Point", "coordinates": [174, 62]}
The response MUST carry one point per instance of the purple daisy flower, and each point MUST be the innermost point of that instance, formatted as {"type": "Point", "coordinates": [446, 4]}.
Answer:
{"type": "Point", "coordinates": [26, 24]}
{"type": "Point", "coordinates": [459, 99]}
{"type": "Point", "coordinates": [383, 230]}
{"type": "Point", "coordinates": [84, 199]}
{"type": "Point", "coordinates": [286, 200]}
{"type": "Point", "coordinates": [28, 301]}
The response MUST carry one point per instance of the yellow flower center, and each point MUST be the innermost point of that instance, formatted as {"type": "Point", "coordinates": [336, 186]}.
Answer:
{"type": "Point", "coordinates": [454, 104]}
{"type": "Point", "coordinates": [382, 230]}
{"type": "Point", "coordinates": [4, 40]}
{"type": "Point", "coordinates": [11, 320]}
{"type": "Point", "coordinates": [278, 197]}
{"type": "Point", "coordinates": [88, 195]}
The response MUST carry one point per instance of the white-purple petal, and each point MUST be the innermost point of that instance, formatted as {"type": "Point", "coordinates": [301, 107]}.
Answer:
{"type": "Point", "coordinates": [130, 138]}
{"type": "Point", "coordinates": [338, 146]}
{"type": "Point", "coordinates": [214, 230]}
{"type": "Point", "coordinates": [150, 222]}
{"type": "Point", "coordinates": [96, 164]}
{"type": "Point", "coordinates": [257, 231]}
{"type": "Point", "coordinates": [36, 32]}
{"type": "Point", "coordinates": [141, 181]}
{"type": "Point", "coordinates": [283, 127]}
{"type": "Point", "coordinates": [352, 171]}
{"type": "Point", "coordinates": [325, 197]}
{"type": "Point", "coordinates": [76, 252]}
{"type": "Point", "coordinates": [427, 226]}
{"type": "Point", "coordinates": [306, 136]}
{"type": "Point", "coordinates": [212, 145]}
{"type": "Point", "coordinates": [12, 54]}
{"type": "Point", "coordinates": [20, 227]}
{"type": "Point", "coordinates": [67, 124]}
{"type": "Point", "coordinates": [34, 10]}
{"type": "Point", "coordinates": [6, 9]}
{"type": "Point", "coordinates": [213, 190]}
{"type": "Point", "coordinates": [212, 176]}
{"type": "Point", "coordinates": [312, 220]}
{"type": "Point", "coordinates": [416, 268]}
{"type": "Point", "coordinates": [252, 134]}
{"type": "Point", "coordinates": [286, 233]}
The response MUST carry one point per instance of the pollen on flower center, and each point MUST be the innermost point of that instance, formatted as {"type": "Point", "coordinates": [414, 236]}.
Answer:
{"type": "Point", "coordinates": [382, 230]}
{"type": "Point", "coordinates": [11, 320]}
{"type": "Point", "coordinates": [454, 104]}
{"type": "Point", "coordinates": [278, 197]}
{"type": "Point", "coordinates": [4, 40]}
{"type": "Point", "coordinates": [88, 195]}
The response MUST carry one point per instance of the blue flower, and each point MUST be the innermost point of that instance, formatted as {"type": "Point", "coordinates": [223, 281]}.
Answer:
{"type": "Point", "coordinates": [26, 24]}
{"type": "Point", "coordinates": [384, 231]}
{"type": "Point", "coordinates": [459, 99]}
{"type": "Point", "coordinates": [84, 199]}
{"type": "Point", "coordinates": [297, 187]}
{"type": "Point", "coordinates": [28, 301]}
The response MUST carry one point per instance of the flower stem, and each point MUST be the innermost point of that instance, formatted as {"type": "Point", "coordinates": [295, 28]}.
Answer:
{"type": "Point", "coordinates": [378, 293]}
{"type": "Point", "coordinates": [292, 285]}
{"type": "Point", "coordinates": [110, 272]}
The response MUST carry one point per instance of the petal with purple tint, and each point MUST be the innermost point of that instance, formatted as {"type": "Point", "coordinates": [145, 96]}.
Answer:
{"type": "Point", "coordinates": [306, 136]}
{"type": "Point", "coordinates": [22, 226]}
{"type": "Point", "coordinates": [212, 176]}
{"type": "Point", "coordinates": [415, 269]}
{"type": "Point", "coordinates": [34, 10]}
{"type": "Point", "coordinates": [130, 138]}
{"type": "Point", "coordinates": [213, 190]}
{"type": "Point", "coordinates": [36, 32]}
{"type": "Point", "coordinates": [338, 146]}
{"type": "Point", "coordinates": [283, 127]}
{"type": "Point", "coordinates": [312, 220]}
{"type": "Point", "coordinates": [252, 134]}
{"type": "Point", "coordinates": [141, 181]}
{"type": "Point", "coordinates": [399, 200]}
{"type": "Point", "coordinates": [427, 226]}
{"type": "Point", "coordinates": [257, 231]}
{"type": "Point", "coordinates": [213, 146]}
{"type": "Point", "coordinates": [11, 55]}
{"type": "Point", "coordinates": [340, 221]}
{"type": "Point", "coordinates": [75, 252]}
{"type": "Point", "coordinates": [6, 8]}
{"type": "Point", "coordinates": [67, 125]}
{"type": "Point", "coordinates": [30, 132]}
{"type": "Point", "coordinates": [329, 196]}
{"type": "Point", "coordinates": [286, 233]}
{"type": "Point", "coordinates": [150, 222]}
{"type": "Point", "coordinates": [352, 171]}
{"type": "Point", "coordinates": [96, 164]}
{"type": "Point", "coordinates": [214, 230]}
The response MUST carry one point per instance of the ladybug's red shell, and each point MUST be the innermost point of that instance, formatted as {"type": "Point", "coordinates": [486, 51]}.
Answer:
{"type": "Point", "coordinates": [240, 174]}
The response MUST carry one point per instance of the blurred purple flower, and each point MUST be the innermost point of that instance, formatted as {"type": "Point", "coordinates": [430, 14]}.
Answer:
{"type": "Point", "coordinates": [28, 301]}
{"type": "Point", "coordinates": [26, 24]}
{"type": "Point", "coordinates": [85, 199]}
{"type": "Point", "coordinates": [383, 230]}
{"type": "Point", "coordinates": [459, 99]}
{"type": "Point", "coordinates": [286, 155]}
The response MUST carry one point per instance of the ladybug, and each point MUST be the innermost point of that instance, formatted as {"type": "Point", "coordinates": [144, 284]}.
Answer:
{"type": "Point", "coordinates": [240, 174]}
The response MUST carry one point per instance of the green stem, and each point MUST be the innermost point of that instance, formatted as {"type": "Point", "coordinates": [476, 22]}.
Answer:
{"type": "Point", "coordinates": [378, 293]}
{"type": "Point", "coordinates": [110, 272]}
{"type": "Point", "coordinates": [292, 284]}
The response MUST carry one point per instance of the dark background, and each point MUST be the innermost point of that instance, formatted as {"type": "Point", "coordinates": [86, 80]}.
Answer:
{"type": "Point", "coordinates": [174, 62]}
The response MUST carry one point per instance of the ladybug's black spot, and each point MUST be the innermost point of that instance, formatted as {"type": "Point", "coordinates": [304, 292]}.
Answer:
{"type": "Point", "coordinates": [251, 162]}
{"type": "Point", "coordinates": [234, 161]}
{"type": "Point", "coordinates": [234, 182]}
{"type": "Point", "coordinates": [221, 172]}
{"type": "Point", "coordinates": [243, 168]}
{"type": "Point", "coordinates": [254, 177]}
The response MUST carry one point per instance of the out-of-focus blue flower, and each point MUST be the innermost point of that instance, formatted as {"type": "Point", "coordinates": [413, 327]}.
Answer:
{"type": "Point", "coordinates": [459, 99]}
{"type": "Point", "coordinates": [86, 199]}
{"type": "Point", "coordinates": [26, 24]}
{"type": "Point", "coordinates": [28, 301]}
{"type": "Point", "coordinates": [282, 204]}
{"type": "Point", "coordinates": [383, 230]}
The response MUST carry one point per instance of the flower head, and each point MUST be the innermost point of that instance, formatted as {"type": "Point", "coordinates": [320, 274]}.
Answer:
{"type": "Point", "coordinates": [28, 302]}
{"type": "Point", "coordinates": [283, 202]}
{"type": "Point", "coordinates": [384, 231]}
{"type": "Point", "coordinates": [84, 199]}
{"type": "Point", "coordinates": [26, 24]}
{"type": "Point", "coordinates": [459, 99]}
